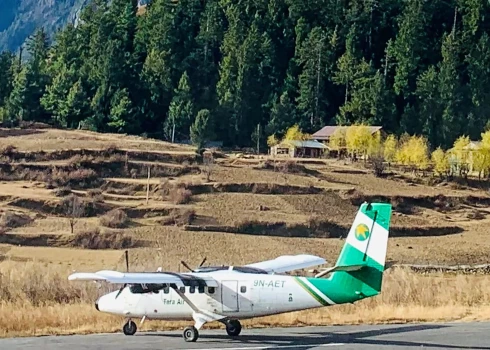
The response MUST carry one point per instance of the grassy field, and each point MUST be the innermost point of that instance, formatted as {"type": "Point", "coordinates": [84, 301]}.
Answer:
{"type": "Point", "coordinates": [238, 210]}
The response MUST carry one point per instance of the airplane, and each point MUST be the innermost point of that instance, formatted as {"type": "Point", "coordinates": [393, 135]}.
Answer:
{"type": "Point", "coordinates": [228, 294]}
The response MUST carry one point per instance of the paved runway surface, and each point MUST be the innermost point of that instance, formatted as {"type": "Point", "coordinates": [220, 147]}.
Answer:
{"type": "Point", "coordinates": [426, 336]}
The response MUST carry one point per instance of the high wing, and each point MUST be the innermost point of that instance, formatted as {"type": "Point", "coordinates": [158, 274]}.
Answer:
{"type": "Point", "coordinates": [179, 279]}
{"type": "Point", "coordinates": [286, 263]}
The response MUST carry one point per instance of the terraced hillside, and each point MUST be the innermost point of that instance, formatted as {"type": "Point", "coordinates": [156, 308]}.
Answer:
{"type": "Point", "coordinates": [190, 207]}
{"type": "Point", "coordinates": [74, 200]}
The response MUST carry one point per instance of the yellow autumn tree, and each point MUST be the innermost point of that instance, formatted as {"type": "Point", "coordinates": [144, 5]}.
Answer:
{"type": "Point", "coordinates": [272, 141]}
{"type": "Point", "coordinates": [358, 139]}
{"type": "Point", "coordinates": [294, 133]}
{"type": "Point", "coordinates": [414, 153]}
{"type": "Point", "coordinates": [481, 162]}
{"type": "Point", "coordinates": [375, 145]}
{"type": "Point", "coordinates": [337, 140]}
{"type": "Point", "coordinates": [390, 146]}
{"type": "Point", "coordinates": [440, 161]}
{"type": "Point", "coordinates": [461, 154]}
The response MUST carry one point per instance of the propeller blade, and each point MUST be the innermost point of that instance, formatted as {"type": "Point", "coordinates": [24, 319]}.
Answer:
{"type": "Point", "coordinates": [187, 266]}
{"type": "Point", "coordinates": [204, 260]}
{"type": "Point", "coordinates": [127, 260]}
{"type": "Point", "coordinates": [120, 290]}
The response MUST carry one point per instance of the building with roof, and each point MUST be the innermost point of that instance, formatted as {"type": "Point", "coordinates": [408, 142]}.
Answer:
{"type": "Point", "coordinates": [326, 132]}
{"type": "Point", "coordinates": [302, 149]}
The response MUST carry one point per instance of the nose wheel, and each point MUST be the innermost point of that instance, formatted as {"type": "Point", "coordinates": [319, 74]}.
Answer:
{"type": "Point", "coordinates": [233, 328]}
{"type": "Point", "coordinates": [191, 334]}
{"type": "Point", "coordinates": [129, 328]}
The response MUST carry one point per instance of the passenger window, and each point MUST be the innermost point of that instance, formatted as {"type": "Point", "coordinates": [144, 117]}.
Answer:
{"type": "Point", "coordinates": [243, 289]}
{"type": "Point", "coordinates": [211, 290]}
{"type": "Point", "coordinates": [201, 289]}
{"type": "Point", "coordinates": [182, 289]}
{"type": "Point", "coordinates": [166, 290]}
{"type": "Point", "coordinates": [192, 289]}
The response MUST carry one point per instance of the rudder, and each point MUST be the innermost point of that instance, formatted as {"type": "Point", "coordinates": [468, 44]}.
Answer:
{"type": "Point", "coordinates": [366, 246]}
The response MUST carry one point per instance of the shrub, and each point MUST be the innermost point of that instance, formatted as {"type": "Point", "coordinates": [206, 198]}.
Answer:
{"type": "Point", "coordinates": [12, 219]}
{"type": "Point", "coordinates": [62, 191]}
{"type": "Point", "coordinates": [179, 217]}
{"type": "Point", "coordinates": [94, 239]}
{"type": "Point", "coordinates": [96, 194]}
{"type": "Point", "coordinates": [115, 218]}
{"type": "Point", "coordinates": [180, 195]}
{"type": "Point", "coordinates": [80, 178]}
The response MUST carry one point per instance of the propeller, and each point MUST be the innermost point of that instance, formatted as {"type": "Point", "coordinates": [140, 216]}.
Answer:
{"type": "Point", "coordinates": [188, 267]}
{"type": "Point", "coordinates": [126, 256]}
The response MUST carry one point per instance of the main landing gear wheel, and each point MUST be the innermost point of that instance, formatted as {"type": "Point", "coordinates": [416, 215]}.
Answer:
{"type": "Point", "coordinates": [191, 334]}
{"type": "Point", "coordinates": [129, 328]}
{"type": "Point", "coordinates": [233, 328]}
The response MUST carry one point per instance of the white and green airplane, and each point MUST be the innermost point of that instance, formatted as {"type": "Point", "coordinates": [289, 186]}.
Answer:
{"type": "Point", "coordinates": [228, 294]}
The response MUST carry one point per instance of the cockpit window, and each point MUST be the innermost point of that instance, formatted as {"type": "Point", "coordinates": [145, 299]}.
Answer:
{"type": "Point", "coordinates": [147, 288]}
{"type": "Point", "coordinates": [192, 289]}
{"type": "Point", "coordinates": [211, 290]}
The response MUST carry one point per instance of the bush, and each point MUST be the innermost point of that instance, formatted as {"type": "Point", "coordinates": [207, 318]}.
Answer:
{"type": "Point", "coordinates": [75, 207]}
{"type": "Point", "coordinates": [180, 217]}
{"type": "Point", "coordinates": [180, 195]}
{"type": "Point", "coordinates": [94, 239]}
{"type": "Point", "coordinates": [62, 191]}
{"type": "Point", "coordinates": [12, 219]}
{"type": "Point", "coordinates": [115, 218]}
{"type": "Point", "coordinates": [80, 178]}
{"type": "Point", "coordinates": [96, 194]}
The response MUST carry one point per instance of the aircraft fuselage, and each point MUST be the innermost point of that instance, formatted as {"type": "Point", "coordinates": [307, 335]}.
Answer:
{"type": "Point", "coordinates": [239, 295]}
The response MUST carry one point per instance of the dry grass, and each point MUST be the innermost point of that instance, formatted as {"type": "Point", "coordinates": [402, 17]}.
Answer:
{"type": "Point", "coordinates": [57, 306]}
{"type": "Point", "coordinates": [55, 139]}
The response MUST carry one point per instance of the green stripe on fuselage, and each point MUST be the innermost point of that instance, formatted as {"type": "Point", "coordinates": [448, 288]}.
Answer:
{"type": "Point", "coordinates": [311, 291]}
{"type": "Point", "coordinates": [347, 287]}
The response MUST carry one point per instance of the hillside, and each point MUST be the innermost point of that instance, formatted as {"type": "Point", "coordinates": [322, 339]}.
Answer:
{"type": "Point", "coordinates": [293, 206]}
{"type": "Point", "coordinates": [250, 208]}
{"type": "Point", "coordinates": [20, 18]}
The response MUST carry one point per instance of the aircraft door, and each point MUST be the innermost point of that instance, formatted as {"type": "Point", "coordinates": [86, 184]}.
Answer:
{"type": "Point", "coordinates": [245, 297]}
{"type": "Point", "coordinates": [229, 296]}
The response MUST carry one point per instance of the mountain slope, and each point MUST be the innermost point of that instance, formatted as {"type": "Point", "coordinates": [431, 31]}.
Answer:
{"type": "Point", "coordinates": [20, 18]}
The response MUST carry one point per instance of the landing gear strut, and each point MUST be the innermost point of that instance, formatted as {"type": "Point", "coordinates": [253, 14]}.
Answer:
{"type": "Point", "coordinates": [129, 328]}
{"type": "Point", "coordinates": [191, 334]}
{"type": "Point", "coordinates": [233, 328]}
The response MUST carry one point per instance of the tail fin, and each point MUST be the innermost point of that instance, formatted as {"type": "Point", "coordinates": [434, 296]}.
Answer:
{"type": "Point", "coordinates": [362, 260]}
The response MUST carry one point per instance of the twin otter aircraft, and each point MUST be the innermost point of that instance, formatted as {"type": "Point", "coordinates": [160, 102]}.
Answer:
{"type": "Point", "coordinates": [229, 293]}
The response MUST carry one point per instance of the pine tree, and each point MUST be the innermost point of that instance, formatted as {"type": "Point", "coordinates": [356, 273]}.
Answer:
{"type": "Point", "coordinates": [181, 111]}
{"type": "Point", "coordinates": [199, 130]}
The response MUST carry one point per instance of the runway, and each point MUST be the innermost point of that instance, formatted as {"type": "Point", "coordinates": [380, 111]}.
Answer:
{"type": "Point", "coordinates": [416, 336]}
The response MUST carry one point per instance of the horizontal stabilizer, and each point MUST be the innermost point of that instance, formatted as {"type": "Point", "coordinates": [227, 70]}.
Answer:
{"type": "Point", "coordinates": [346, 268]}
{"type": "Point", "coordinates": [288, 263]}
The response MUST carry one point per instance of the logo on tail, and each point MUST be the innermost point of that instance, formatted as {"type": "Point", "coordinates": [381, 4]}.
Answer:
{"type": "Point", "coordinates": [362, 232]}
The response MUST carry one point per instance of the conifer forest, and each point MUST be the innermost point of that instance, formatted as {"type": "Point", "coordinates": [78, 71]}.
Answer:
{"type": "Point", "coordinates": [254, 68]}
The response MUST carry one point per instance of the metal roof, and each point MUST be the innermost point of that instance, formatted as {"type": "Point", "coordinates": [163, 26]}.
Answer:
{"type": "Point", "coordinates": [304, 144]}
{"type": "Point", "coordinates": [328, 131]}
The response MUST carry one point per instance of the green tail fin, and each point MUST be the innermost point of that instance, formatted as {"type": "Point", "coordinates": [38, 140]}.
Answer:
{"type": "Point", "coordinates": [358, 272]}
{"type": "Point", "coordinates": [366, 246]}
